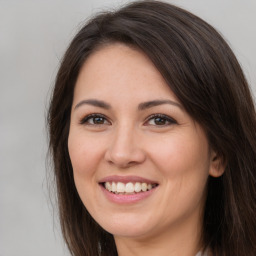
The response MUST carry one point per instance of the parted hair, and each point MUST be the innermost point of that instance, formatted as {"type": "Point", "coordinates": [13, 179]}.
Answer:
{"type": "Point", "coordinates": [202, 71]}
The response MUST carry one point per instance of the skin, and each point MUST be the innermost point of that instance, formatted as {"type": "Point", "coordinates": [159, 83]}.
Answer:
{"type": "Point", "coordinates": [127, 140]}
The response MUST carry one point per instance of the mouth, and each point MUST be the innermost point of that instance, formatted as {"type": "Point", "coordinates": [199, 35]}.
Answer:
{"type": "Point", "coordinates": [127, 185]}
{"type": "Point", "coordinates": [128, 188]}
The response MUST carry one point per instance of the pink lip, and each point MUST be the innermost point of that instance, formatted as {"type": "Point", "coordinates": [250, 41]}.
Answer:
{"type": "Point", "coordinates": [126, 199]}
{"type": "Point", "coordinates": [126, 179]}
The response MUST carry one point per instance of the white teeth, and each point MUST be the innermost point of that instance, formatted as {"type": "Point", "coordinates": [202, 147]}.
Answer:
{"type": "Point", "coordinates": [120, 187]}
{"type": "Point", "coordinates": [137, 187]}
{"type": "Point", "coordinates": [144, 187]}
{"type": "Point", "coordinates": [129, 187]}
{"type": "Point", "coordinates": [108, 186]}
{"type": "Point", "coordinates": [113, 189]}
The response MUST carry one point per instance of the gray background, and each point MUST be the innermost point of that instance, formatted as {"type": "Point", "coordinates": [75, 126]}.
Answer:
{"type": "Point", "coordinates": [33, 37]}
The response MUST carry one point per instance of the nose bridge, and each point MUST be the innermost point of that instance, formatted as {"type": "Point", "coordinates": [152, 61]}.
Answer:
{"type": "Point", "coordinates": [124, 149]}
{"type": "Point", "coordinates": [123, 137]}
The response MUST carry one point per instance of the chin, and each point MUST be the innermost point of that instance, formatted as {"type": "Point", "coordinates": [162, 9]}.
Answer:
{"type": "Point", "coordinates": [128, 225]}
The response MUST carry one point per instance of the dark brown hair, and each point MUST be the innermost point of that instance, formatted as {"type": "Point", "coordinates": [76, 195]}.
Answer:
{"type": "Point", "coordinates": [204, 74]}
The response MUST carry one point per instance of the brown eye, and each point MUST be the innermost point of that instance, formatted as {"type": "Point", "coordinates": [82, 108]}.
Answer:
{"type": "Point", "coordinates": [95, 119]}
{"type": "Point", "coordinates": [160, 120]}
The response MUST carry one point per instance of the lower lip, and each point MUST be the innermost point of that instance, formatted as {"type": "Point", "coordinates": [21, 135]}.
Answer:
{"type": "Point", "coordinates": [126, 198]}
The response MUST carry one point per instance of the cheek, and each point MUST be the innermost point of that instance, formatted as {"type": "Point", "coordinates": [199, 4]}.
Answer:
{"type": "Point", "coordinates": [184, 166]}
{"type": "Point", "coordinates": [85, 158]}
{"type": "Point", "coordinates": [184, 163]}
{"type": "Point", "coordinates": [176, 155]}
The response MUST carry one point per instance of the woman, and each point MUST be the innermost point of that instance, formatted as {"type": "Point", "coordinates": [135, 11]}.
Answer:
{"type": "Point", "coordinates": [152, 133]}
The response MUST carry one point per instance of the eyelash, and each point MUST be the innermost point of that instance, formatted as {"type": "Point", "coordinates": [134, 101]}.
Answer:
{"type": "Point", "coordinates": [86, 119]}
{"type": "Point", "coordinates": [163, 117]}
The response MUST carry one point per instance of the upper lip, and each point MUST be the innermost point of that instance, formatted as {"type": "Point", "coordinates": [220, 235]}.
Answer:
{"type": "Point", "coordinates": [126, 179]}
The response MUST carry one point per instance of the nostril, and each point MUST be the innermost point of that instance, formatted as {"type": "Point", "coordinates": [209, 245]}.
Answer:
{"type": "Point", "coordinates": [123, 151]}
{"type": "Point", "coordinates": [125, 160]}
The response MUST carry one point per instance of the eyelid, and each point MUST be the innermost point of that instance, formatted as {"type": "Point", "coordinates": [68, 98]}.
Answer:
{"type": "Point", "coordinates": [169, 119]}
{"type": "Point", "coordinates": [85, 119]}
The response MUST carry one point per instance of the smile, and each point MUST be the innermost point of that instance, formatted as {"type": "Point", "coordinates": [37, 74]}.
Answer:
{"type": "Point", "coordinates": [128, 187]}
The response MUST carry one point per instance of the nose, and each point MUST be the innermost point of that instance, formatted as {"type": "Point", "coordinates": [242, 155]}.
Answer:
{"type": "Point", "coordinates": [125, 149]}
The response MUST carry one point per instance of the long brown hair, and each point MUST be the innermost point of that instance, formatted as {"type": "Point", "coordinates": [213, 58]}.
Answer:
{"type": "Point", "coordinates": [204, 74]}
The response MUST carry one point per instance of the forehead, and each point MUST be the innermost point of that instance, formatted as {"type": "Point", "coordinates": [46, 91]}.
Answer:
{"type": "Point", "coordinates": [120, 69]}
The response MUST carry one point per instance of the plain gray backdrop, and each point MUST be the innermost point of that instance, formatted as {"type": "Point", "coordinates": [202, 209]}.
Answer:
{"type": "Point", "coordinates": [33, 37]}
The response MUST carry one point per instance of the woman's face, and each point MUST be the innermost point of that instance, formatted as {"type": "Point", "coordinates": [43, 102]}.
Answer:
{"type": "Point", "coordinates": [130, 134]}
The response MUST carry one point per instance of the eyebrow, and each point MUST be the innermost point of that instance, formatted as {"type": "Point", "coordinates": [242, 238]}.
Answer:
{"type": "Point", "coordinates": [93, 102]}
{"type": "Point", "coordinates": [142, 106]}
{"type": "Point", "coordinates": [154, 103]}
